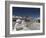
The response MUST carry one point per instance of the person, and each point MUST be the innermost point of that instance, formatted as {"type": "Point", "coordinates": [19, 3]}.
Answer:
{"type": "Point", "coordinates": [17, 25]}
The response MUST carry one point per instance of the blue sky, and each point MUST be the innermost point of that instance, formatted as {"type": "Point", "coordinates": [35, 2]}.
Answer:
{"type": "Point", "coordinates": [22, 11]}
